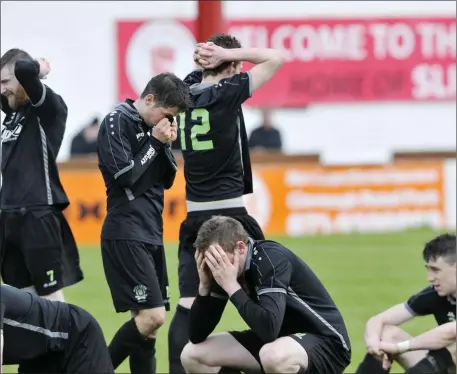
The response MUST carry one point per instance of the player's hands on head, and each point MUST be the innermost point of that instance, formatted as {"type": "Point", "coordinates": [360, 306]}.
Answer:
{"type": "Point", "coordinates": [196, 56]}
{"type": "Point", "coordinates": [203, 270]}
{"type": "Point", "coordinates": [163, 131]}
{"type": "Point", "coordinates": [45, 68]}
{"type": "Point", "coordinates": [224, 272]}
{"type": "Point", "coordinates": [209, 55]}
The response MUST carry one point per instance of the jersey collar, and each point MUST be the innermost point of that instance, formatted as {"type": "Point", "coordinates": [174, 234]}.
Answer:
{"type": "Point", "coordinates": [251, 244]}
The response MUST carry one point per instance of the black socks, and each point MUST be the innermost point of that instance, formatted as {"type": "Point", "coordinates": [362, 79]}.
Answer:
{"type": "Point", "coordinates": [370, 365]}
{"type": "Point", "coordinates": [178, 337]}
{"type": "Point", "coordinates": [129, 342]}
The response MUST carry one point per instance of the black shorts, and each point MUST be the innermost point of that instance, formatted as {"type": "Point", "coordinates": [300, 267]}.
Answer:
{"type": "Point", "coordinates": [187, 270]}
{"type": "Point", "coordinates": [85, 352]}
{"type": "Point", "coordinates": [136, 273]}
{"type": "Point", "coordinates": [325, 355]}
{"type": "Point", "coordinates": [37, 248]}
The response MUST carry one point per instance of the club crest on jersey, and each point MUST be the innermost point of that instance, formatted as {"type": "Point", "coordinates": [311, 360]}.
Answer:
{"type": "Point", "coordinates": [451, 316]}
{"type": "Point", "coordinates": [140, 293]}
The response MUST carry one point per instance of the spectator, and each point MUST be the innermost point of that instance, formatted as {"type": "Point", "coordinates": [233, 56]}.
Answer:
{"type": "Point", "coordinates": [265, 136]}
{"type": "Point", "coordinates": [85, 142]}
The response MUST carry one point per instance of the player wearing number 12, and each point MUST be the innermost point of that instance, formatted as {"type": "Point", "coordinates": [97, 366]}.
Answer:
{"type": "Point", "coordinates": [217, 166]}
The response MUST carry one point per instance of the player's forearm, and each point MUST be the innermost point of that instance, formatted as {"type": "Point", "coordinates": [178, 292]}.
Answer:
{"type": "Point", "coordinates": [265, 318]}
{"type": "Point", "coordinates": [204, 316]}
{"type": "Point", "coordinates": [170, 170]}
{"type": "Point", "coordinates": [139, 164]}
{"type": "Point", "coordinates": [254, 55]}
{"type": "Point", "coordinates": [437, 338]}
{"type": "Point", "coordinates": [27, 73]}
{"type": "Point", "coordinates": [373, 329]}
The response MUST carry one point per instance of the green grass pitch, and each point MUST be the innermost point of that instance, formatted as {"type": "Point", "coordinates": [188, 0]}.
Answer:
{"type": "Point", "coordinates": [365, 274]}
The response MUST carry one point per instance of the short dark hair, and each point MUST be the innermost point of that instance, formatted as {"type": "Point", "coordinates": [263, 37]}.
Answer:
{"type": "Point", "coordinates": [15, 54]}
{"type": "Point", "coordinates": [222, 230]}
{"type": "Point", "coordinates": [169, 91]}
{"type": "Point", "coordinates": [444, 246]}
{"type": "Point", "coordinates": [224, 41]}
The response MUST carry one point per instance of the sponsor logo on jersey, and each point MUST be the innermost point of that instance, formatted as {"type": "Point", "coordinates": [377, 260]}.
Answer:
{"type": "Point", "coordinates": [149, 154]}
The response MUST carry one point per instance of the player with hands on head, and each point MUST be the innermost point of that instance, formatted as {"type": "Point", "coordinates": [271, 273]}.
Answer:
{"type": "Point", "coordinates": [38, 251]}
{"type": "Point", "coordinates": [217, 166]}
{"type": "Point", "coordinates": [294, 324]}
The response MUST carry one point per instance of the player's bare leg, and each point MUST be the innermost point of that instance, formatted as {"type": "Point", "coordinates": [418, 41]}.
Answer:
{"type": "Point", "coordinates": [55, 296]}
{"type": "Point", "coordinates": [395, 334]}
{"type": "Point", "coordinates": [219, 350]}
{"type": "Point", "coordinates": [284, 355]}
{"type": "Point", "coordinates": [371, 364]}
{"type": "Point", "coordinates": [149, 321]}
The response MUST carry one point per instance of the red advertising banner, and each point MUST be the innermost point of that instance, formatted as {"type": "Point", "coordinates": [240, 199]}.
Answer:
{"type": "Point", "coordinates": [328, 60]}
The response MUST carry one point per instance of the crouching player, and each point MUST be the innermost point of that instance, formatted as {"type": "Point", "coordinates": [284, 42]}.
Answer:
{"type": "Point", "coordinates": [425, 353]}
{"type": "Point", "coordinates": [43, 336]}
{"type": "Point", "coordinates": [295, 325]}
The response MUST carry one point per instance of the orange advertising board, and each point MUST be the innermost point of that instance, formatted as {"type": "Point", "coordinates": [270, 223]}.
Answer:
{"type": "Point", "coordinates": [290, 200]}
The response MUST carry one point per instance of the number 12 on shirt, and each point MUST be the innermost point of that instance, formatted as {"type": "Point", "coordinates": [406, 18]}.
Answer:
{"type": "Point", "coordinates": [197, 121]}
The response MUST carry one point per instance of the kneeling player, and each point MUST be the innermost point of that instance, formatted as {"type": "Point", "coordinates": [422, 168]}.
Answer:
{"type": "Point", "coordinates": [43, 336]}
{"type": "Point", "coordinates": [295, 325]}
{"type": "Point", "coordinates": [437, 300]}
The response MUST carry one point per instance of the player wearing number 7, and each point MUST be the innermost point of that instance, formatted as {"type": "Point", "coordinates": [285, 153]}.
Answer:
{"type": "Point", "coordinates": [217, 165]}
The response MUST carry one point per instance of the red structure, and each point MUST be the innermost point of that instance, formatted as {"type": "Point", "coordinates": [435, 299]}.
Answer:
{"type": "Point", "coordinates": [210, 19]}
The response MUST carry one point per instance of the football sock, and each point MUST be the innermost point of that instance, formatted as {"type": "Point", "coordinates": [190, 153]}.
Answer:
{"type": "Point", "coordinates": [123, 342]}
{"type": "Point", "coordinates": [142, 358]}
{"type": "Point", "coordinates": [178, 337]}
{"type": "Point", "coordinates": [370, 365]}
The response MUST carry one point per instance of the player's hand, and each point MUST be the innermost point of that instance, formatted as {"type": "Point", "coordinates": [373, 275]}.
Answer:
{"type": "Point", "coordinates": [45, 68]}
{"type": "Point", "coordinates": [162, 131]}
{"type": "Point", "coordinates": [210, 55]}
{"type": "Point", "coordinates": [373, 347]}
{"type": "Point", "coordinates": [224, 272]}
{"type": "Point", "coordinates": [389, 348]}
{"type": "Point", "coordinates": [196, 56]}
{"type": "Point", "coordinates": [386, 361]}
{"type": "Point", "coordinates": [174, 131]}
{"type": "Point", "coordinates": [203, 270]}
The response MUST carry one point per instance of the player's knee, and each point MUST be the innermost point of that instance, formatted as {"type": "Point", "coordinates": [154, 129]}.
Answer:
{"type": "Point", "coordinates": [274, 358]}
{"type": "Point", "coordinates": [394, 334]}
{"type": "Point", "coordinates": [150, 320]}
{"type": "Point", "coordinates": [191, 358]}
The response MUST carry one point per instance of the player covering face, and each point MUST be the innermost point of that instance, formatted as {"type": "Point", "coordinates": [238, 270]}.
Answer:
{"type": "Point", "coordinates": [137, 166]}
{"type": "Point", "coordinates": [294, 323]}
